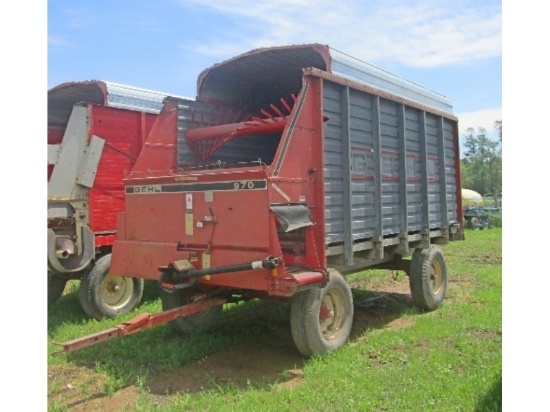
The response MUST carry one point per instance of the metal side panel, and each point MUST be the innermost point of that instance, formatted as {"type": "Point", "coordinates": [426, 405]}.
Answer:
{"type": "Point", "coordinates": [134, 98]}
{"type": "Point", "coordinates": [53, 153]}
{"type": "Point", "coordinates": [333, 169]}
{"type": "Point", "coordinates": [90, 160]}
{"type": "Point", "coordinates": [63, 181]}
{"type": "Point", "coordinates": [389, 168]}
{"type": "Point", "coordinates": [450, 170]}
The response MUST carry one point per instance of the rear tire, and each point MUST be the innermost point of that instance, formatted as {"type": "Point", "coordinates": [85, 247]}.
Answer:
{"type": "Point", "coordinates": [196, 323]}
{"type": "Point", "coordinates": [102, 295]}
{"type": "Point", "coordinates": [56, 286]}
{"type": "Point", "coordinates": [321, 318]}
{"type": "Point", "coordinates": [428, 277]}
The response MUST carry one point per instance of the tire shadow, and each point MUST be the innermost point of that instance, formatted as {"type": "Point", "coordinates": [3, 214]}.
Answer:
{"type": "Point", "coordinates": [378, 310]}
{"type": "Point", "coordinates": [261, 353]}
{"type": "Point", "coordinates": [270, 358]}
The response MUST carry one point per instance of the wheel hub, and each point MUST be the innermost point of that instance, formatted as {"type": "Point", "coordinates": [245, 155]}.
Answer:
{"type": "Point", "coordinates": [331, 315]}
{"type": "Point", "coordinates": [435, 277]}
{"type": "Point", "coordinates": [116, 290]}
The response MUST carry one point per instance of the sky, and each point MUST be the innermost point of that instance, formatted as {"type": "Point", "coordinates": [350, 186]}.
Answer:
{"type": "Point", "coordinates": [453, 48]}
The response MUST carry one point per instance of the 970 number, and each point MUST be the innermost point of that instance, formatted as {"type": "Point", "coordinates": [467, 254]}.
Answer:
{"type": "Point", "coordinates": [246, 184]}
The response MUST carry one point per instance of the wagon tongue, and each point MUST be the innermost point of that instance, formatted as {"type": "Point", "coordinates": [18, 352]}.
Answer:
{"type": "Point", "coordinates": [137, 324]}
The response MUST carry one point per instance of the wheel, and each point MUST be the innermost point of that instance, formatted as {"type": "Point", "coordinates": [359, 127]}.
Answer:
{"type": "Point", "coordinates": [56, 286]}
{"type": "Point", "coordinates": [83, 297]}
{"type": "Point", "coordinates": [473, 222]}
{"type": "Point", "coordinates": [428, 277]}
{"type": "Point", "coordinates": [196, 323]}
{"type": "Point", "coordinates": [102, 295]}
{"type": "Point", "coordinates": [321, 318]}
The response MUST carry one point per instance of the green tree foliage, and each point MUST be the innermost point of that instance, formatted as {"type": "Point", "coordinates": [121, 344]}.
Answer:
{"type": "Point", "coordinates": [481, 165]}
{"type": "Point", "coordinates": [498, 128]}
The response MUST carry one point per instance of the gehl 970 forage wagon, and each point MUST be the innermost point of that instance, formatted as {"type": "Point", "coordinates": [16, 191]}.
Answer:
{"type": "Point", "coordinates": [295, 166]}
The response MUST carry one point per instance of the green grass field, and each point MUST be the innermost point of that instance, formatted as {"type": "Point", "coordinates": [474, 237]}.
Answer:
{"type": "Point", "coordinates": [398, 358]}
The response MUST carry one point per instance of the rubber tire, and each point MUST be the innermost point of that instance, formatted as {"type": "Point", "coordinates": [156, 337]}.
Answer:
{"type": "Point", "coordinates": [94, 288]}
{"type": "Point", "coordinates": [56, 286]}
{"type": "Point", "coordinates": [196, 323]}
{"type": "Point", "coordinates": [428, 277]}
{"type": "Point", "coordinates": [306, 326]}
{"type": "Point", "coordinates": [84, 300]}
{"type": "Point", "coordinates": [473, 223]}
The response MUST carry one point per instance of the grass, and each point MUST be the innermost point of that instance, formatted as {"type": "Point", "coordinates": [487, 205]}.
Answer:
{"type": "Point", "coordinates": [446, 360]}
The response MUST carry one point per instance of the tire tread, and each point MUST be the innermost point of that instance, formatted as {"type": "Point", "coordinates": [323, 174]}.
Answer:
{"type": "Point", "coordinates": [90, 292]}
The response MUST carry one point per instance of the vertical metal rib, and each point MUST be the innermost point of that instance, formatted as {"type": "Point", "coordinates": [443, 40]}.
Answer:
{"type": "Point", "coordinates": [442, 173]}
{"type": "Point", "coordinates": [346, 176]}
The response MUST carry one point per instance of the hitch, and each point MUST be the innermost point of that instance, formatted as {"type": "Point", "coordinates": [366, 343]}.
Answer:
{"type": "Point", "coordinates": [137, 324]}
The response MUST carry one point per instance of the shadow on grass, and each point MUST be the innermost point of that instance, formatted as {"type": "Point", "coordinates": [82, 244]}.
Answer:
{"type": "Point", "coordinates": [376, 310]}
{"type": "Point", "coordinates": [68, 309]}
{"type": "Point", "coordinates": [492, 400]}
{"type": "Point", "coordinates": [251, 346]}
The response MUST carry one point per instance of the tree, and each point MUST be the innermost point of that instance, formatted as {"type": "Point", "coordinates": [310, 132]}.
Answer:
{"type": "Point", "coordinates": [482, 163]}
{"type": "Point", "coordinates": [498, 128]}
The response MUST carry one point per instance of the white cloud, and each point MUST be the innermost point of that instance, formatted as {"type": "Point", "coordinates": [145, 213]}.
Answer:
{"type": "Point", "coordinates": [414, 33]}
{"type": "Point", "coordinates": [422, 37]}
{"type": "Point", "coordinates": [482, 118]}
{"type": "Point", "coordinates": [58, 41]}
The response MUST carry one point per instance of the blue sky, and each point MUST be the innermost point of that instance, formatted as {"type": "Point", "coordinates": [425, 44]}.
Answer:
{"type": "Point", "coordinates": [454, 48]}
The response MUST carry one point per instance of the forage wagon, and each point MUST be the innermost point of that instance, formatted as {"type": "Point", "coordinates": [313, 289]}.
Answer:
{"type": "Point", "coordinates": [96, 130]}
{"type": "Point", "coordinates": [294, 166]}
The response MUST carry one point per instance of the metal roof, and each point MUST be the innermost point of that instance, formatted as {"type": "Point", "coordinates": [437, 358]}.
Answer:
{"type": "Point", "coordinates": [366, 73]}
{"type": "Point", "coordinates": [63, 97]}
{"type": "Point", "coordinates": [262, 76]}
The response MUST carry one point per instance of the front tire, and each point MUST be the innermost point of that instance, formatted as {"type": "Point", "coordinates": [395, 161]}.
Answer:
{"type": "Point", "coordinates": [102, 295]}
{"type": "Point", "coordinates": [321, 318]}
{"type": "Point", "coordinates": [196, 323]}
{"type": "Point", "coordinates": [428, 277]}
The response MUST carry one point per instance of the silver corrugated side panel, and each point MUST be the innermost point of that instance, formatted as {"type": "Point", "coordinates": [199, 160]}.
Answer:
{"type": "Point", "coordinates": [135, 98]}
{"type": "Point", "coordinates": [389, 167]}
{"type": "Point", "coordinates": [368, 74]}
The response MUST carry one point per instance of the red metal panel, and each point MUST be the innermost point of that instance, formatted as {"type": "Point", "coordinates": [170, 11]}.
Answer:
{"type": "Point", "coordinates": [141, 259]}
{"type": "Point", "coordinates": [219, 215]}
{"type": "Point", "coordinates": [163, 217]}
{"type": "Point", "coordinates": [123, 132]}
{"type": "Point", "coordinates": [160, 150]}
{"type": "Point", "coordinates": [155, 217]}
{"type": "Point", "coordinates": [56, 132]}
{"type": "Point", "coordinates": [55, 136]}
{"type": "Point", "coordinates": [301, 156]}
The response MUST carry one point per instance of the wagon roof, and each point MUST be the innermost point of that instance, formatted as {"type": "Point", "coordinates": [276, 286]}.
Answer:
{"type": "Point", "coordinates": [282, 67]}
{"type": "Point", "coordinates": [62, 97]}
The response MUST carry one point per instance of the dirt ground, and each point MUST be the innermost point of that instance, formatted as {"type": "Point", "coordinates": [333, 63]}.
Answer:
{"type": "Point", "coordinates": [259, 360]}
